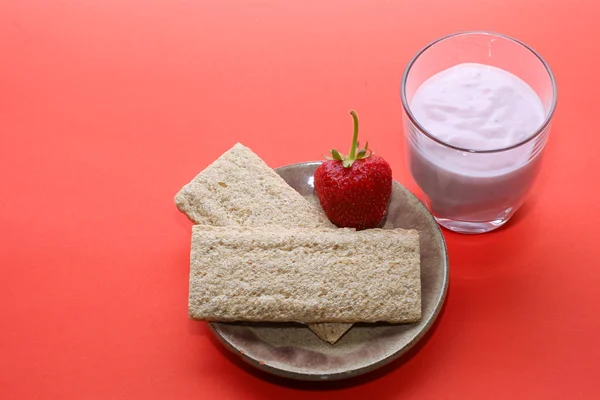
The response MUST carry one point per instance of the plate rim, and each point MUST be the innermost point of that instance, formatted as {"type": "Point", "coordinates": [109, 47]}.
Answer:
{"type": "Point", "coordinates": [300, 376]}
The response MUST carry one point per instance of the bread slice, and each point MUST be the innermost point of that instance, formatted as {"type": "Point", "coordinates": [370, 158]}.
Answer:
{"type": "Point", "coordinates": [304, 275]}
{"type": "Point", "coordinates": [239, 188]}
{"type": "Point", "coordinates": [329, 332]}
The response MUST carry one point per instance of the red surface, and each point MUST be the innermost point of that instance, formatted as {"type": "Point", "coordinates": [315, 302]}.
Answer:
{"type": "Point", "coordinates": [108, 107]}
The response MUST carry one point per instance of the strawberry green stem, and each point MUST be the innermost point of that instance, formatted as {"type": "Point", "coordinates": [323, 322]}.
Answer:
{"type": "Point", "coordinates": [355, 153]}
{"type": "Point", "coordinates": [352, 155]}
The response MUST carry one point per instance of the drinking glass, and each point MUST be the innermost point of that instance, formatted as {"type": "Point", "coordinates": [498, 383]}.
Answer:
{"type": "Point", "coordinates": [470, 190]}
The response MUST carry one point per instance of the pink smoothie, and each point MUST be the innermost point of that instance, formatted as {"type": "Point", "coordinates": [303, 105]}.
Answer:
{"type": "Point", "coordinates": [475, 107]}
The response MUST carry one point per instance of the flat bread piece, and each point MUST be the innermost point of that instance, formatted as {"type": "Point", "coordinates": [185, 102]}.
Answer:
{"type": "Point", "coordinates": [304, 275]}
{"type": "Point", "coordinates": [239, 188]}
{"type": "Point", "coordinates": [329, 332]}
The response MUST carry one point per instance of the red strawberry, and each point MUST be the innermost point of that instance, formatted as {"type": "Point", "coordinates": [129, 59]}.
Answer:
{"type": "Point", "coordinates": [354, 190]}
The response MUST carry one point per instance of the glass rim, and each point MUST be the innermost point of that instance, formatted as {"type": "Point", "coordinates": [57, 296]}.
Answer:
{"type": "Point", "coordinates": [531, 137]}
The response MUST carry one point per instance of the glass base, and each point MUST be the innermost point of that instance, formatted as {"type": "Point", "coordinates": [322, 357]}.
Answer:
{"type": "Point", "coordinates": [471, 227]}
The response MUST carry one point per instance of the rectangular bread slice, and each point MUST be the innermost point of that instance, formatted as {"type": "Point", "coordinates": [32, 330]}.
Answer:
{"type": "Point", "coordinates": [239, 188]}
{"type": "Point", "coordinates": [304, 275]}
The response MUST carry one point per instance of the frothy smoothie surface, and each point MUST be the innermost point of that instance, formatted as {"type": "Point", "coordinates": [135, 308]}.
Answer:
{"type": "Point", "coordinates": [477, 107]}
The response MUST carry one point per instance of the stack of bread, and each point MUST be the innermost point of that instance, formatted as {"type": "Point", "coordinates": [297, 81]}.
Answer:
{"type": "Point", "coordinates": [262, 253]}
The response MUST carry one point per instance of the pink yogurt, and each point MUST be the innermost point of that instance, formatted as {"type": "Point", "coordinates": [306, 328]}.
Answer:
{"type": "Point", "coordinates": [476, 107]}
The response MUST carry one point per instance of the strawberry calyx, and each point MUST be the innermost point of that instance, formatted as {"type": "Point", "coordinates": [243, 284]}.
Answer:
{"type": "Point", "coordinates": [356, 153]}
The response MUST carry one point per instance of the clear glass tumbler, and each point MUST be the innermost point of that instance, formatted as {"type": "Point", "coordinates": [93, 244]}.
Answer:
{"type": "Point", "coordinates": [470, 190]}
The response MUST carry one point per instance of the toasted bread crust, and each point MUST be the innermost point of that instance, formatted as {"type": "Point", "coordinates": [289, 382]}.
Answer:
{"type": "Point", "coordinates": [239, 189]}
{"type": "Point", "coordinates": [304, 275]}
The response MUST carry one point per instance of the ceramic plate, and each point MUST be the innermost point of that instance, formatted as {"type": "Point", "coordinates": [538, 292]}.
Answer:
{"type": "Point", "coordinates": [293, 351]}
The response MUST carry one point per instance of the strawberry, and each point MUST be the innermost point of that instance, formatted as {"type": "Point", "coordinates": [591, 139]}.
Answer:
{"type": "Point", "coordinates": [354, 190]}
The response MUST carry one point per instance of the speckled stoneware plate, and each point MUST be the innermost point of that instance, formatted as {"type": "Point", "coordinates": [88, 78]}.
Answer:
{"type": "Point", "coordinates": [293, 351]}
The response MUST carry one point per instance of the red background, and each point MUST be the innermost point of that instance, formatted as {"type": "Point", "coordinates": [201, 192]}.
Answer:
{"type": "Point", "coordinates": [108, 107]}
